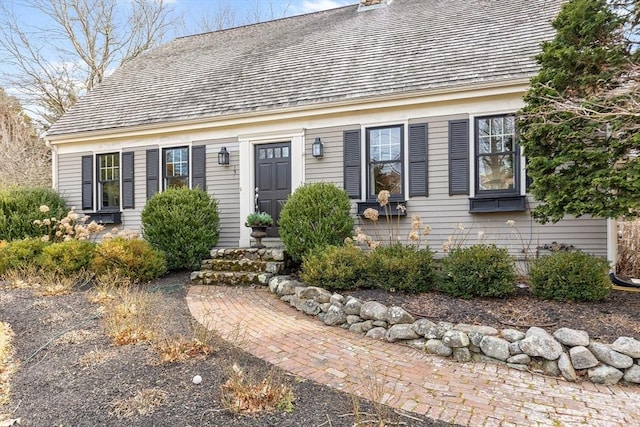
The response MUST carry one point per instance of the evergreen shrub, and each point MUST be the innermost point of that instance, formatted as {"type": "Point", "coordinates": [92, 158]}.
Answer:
{"type": "Point", "coordinates": [20, 207]}
{"type": "Point", "coordinates": [336, 267]}
{"type": "Point", "coordinates": [132, 258]}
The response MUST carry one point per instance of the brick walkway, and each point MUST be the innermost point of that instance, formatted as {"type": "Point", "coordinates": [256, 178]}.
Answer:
{"type": "Point", "coordinates": [473, 394]}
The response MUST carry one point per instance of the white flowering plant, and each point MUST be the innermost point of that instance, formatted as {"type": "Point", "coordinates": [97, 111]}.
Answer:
{"type": "Point", "coordinates": [72, 226]}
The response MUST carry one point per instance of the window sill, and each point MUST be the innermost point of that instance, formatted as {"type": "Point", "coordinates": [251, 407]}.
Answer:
{"type": "Point", "coordinates": [497, 204]}
{"type": "Point", "coordinates": [391, 211]}
{"type": "Point", "coordinates": [105, 217]}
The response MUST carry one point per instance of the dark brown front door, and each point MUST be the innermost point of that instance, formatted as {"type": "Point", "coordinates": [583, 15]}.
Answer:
{"type": "Point", "coordinates": [273, 180]}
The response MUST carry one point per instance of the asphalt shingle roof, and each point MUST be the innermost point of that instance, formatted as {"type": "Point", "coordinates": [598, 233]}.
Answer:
{"type": "Point", "coordinates": [323, 57]}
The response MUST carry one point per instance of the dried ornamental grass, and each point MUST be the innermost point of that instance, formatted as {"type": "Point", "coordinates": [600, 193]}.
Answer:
{"type": "Point", "coordinates": [128, 319]}
{"type": "Point", "coordinates": [243, 395]}
{"type": "Point", "coordinates": [7, 365]}
{"type": "Point", "coordinates": [629, 248]}
{"type": "Point", "coordinates": [142, 403]}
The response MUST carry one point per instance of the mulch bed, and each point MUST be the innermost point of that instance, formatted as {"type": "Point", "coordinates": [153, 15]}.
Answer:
{"type": "Point", "coordinates": [83, 379]}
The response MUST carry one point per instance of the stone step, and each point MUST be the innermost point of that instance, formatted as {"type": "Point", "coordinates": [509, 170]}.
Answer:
{"type": "Point", "coordinates": [243, 265]}
{"type": "Point", "coordinates": [230, 278]}
{"type": "Point", "coordinates": [266, 254]}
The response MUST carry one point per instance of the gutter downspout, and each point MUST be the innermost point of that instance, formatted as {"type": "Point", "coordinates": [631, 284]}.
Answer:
{"type": "Point", "coordinates": [612, 242]}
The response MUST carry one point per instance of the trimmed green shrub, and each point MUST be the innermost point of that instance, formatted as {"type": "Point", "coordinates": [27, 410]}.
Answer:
{"type": "Point", "coordinates": [182, 223]}
{"type": "Point", "coordinates": [335, 267]}
{"type": "Point", "coordinates": [315, 216]}
{"type": "Point", "coordinates": [570, 276]}
{"type": "Point", "coordinates": [401, 268]}
{"type": "Point", "coordinates": [19, 254]}
{"type": "Point", "coordinates": [67, 257]}
{"type": "Point", "coordinates": [20, 207]}
{"type": "Point", "coordinates": [478, 271]}
{"type": "Point", "coordinates": [132, 258]}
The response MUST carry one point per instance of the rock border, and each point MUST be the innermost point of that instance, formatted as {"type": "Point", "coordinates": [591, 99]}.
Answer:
{"type": "Point", "coordinates": [568, 353]}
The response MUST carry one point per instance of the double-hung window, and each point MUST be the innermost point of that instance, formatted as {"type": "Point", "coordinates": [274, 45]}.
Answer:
{"type": "Point", "coordinates": [109, 181]}
{"type": "Point", "coordinates": [176, 167]}
{"type": "Point", "coordinates": [385, 161]}
{"type": "Point", "coordinates": [497, 156]}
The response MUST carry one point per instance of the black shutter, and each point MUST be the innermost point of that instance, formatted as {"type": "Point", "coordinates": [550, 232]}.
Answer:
{"type": "Point", "coordinates": [418, 180]}
{"type": "Point", "coordinates": [352, 161]}
{"type": "Point", "coordinates": [153, 172]}
{"type": "Point", "coordinates": [87, 183]}
{"type": "Point", "coordinates": [128, 196]}
{"type": "Point", "coordinates": [198, 159]}
{"type": "Point", "coordinates": [459, 157]}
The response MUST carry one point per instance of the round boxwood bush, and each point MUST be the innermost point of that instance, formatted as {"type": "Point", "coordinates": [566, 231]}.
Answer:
{"type": "Point", "coordinates": [132, 258]}
{"type": "Point", "coordinates": [20, 207]}
{"type": "Point", "coordinates": [570, 276]}
{"type": "Point", "coordinates": [315, 216]}
{"type": "Point", "coordinates": [478, 271]}
{"type": "Point", "coordinates": [71, 256]}
{"type": "Point", "coordinates": [335, 267]}
{"type": "Point", "coordinates": [182, 223]}
{"type": "Point", "coordinates": [19, 254]}
{"type": "Point", "coordinates": [401, 268]}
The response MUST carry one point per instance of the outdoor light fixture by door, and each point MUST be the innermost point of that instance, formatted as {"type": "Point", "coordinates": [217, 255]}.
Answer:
{"type": "Point", "coordinates": [317, 149]}
{"type": "Point", "coordinates": [223, 156]}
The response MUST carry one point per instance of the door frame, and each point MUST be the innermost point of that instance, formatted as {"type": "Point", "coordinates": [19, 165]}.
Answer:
{"type": "Point", "coordinates": [247, 165]}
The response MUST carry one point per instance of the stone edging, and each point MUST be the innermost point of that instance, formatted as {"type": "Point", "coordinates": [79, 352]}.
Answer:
{"type": "Point", "coordinates": [567, 352]}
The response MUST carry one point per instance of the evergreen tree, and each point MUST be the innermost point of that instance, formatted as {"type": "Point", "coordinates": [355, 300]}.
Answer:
{"type": "Point", "coordinates": [580, 128]}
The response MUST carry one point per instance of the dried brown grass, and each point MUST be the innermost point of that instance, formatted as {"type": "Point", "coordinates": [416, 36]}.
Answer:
{"type": "Point", "coordinates": [128, 318]}
{"type": "Point", "coordinates": [243, 394]}
{"type": "Point", "coordinates": [179, 349]}
{"type": "Point", "coordinates": [628, 263]}
{"type": "Point", "coordinates": [96, 357]}
{"type": "Point", "coordinates": [142, 403]}
{"type": "Point", "coordinates": [7, 364]}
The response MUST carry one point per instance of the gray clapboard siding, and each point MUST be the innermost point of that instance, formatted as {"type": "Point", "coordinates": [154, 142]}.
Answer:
{"type": "Point", "coordinates": [330, 168]}
{"type": "Point", "coordinates": [444, 212]}
{"type": "Point", "coordinates": [70, 178]}
{"type": "Point", "coordinates": [223, 183]}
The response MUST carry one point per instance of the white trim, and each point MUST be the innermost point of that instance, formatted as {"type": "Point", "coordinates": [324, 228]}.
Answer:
{"type": "Point", "coordinates": [247, 144]}
{"type": "Point", "coordinates": [612, 242]}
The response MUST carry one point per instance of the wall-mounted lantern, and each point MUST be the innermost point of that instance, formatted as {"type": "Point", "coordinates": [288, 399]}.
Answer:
{"type": "Point", "coordinates": [317, 149]}
{"type": "Point", "coordinates": [223, 156]}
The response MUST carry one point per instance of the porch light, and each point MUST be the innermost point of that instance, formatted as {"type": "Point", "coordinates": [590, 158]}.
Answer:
{"type": "Point", "coordinates": [317, 149]}
{"type": "Point", "coordinates": [223, 156]}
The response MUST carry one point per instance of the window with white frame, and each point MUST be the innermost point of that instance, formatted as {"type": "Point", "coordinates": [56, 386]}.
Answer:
{"type": "Point", "coordinates": [109, 181]}
{"type": "Point", "coordinates": [176, 167]}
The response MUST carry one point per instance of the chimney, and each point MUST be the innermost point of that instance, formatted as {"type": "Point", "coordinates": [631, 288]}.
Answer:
{"type": "Point", "coordinates": [372, 4]}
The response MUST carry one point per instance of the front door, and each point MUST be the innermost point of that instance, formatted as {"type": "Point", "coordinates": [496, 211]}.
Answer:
{"type": "Point", "coordinates": [273, 180]}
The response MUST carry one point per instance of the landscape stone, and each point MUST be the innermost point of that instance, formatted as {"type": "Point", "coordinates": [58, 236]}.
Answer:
{"type": "Point", "coordinates": [311, 292]}
{"type": "Point", "coordinates": [356, 328]}
{"type": "Point", "coordinates": [274, 282]}
{"type": "Point", "coordinates": [377, 333]}
{"type": "Point", "coordinates": [311, 307]}
{"type": "Point", "coordinates": [367, 325]}
{"type": "Point", "coordinates": [352, 318]}
{"type": "Point", "coordinates": [632, 374]}
{"type": "Point", "coordinates": [352, 305]}
{"type": "Point", "coordinates": [484, 330]}
{"type": "Point", "coordinates": [401, 332]}
{"type": "Point", "coordinates": [373, 310]}
{"type": "Point", "coordinates": [495, 347]}
{"type": "Point", "coordinates": [572, 337]}
{"type": "Point", "coordinates": [517, 366]}
{"type": "Point", "coordinates": [335, 316]}
{"type": "Point", "coordinates": [475, 337]}
{"type": "Point", "coordinates": [286, 298]}
{"type": "Point", "coordinates": [479, 357]}
{"type": "Point", "coordinates": [439, 348]}
{"type": "Point", "coordinates": [607, 355]}
{"type": "Point", "coordinates": [566, 368]}
{"type": "Point", "coordinates": [397, 315]}
{"type": "Point", "coordinates": [455, 339]}
{"type": "Point", "coordinates": [512, 335]}
{"type": "Point", "coordinates": [418, 344]}
{"type": "Point", "coordinates": [425, 328]}
{"type": "Point", "coordinates": [337, 298]}
{"type": "Point", "coordinates": [604, 374]}
{"type": "Point", "coordinates": [582, 358]}
{"type": "Point", "coordinates": [514, 348]}
{"type": "Point", "coordinates": [551, 368]}
{"type": "Point", "coordinates": [519, 359]}
{"type": "Point", "coordinates": [539, 343]}
{"type": "Point", "coordinates": [286, 287]}
{"type": "Point", "coordinates": [380, 324]}
{"type": "Point", "coordinates": [462, 354]}
{"type": "Point", "coordinates": [325, 307]}
{"type": "Point", "coordinates": [474, 348]}
{"type": "Point", "coordinates": [628, 346]}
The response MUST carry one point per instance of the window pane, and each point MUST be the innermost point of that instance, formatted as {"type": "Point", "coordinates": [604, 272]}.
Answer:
{"type": "Point", "coordinates": [483, 144]}
{"type": "Point", "coordinates": [285, 151]}
{"type": "Point", "coordinates": [277, 152]}
{"type": "Point", "coordinates": [385, 176]}
{"type": "Point", "coordinates": [384, 144]}
{"type": "Point", "coordinates": [262, 154]}
{"type": "Point", "coordinates": [269, 153]}
{"type": "Point", "coordinates": [177, 182]}
{"type": "Point", "coordinates": [496, 172]}
{"type": "Point", "coordinates": [110, 195]}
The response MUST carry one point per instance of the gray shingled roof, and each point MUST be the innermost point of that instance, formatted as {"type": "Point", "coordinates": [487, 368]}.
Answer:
{"type": "Point", "coordinates": [323, 57]}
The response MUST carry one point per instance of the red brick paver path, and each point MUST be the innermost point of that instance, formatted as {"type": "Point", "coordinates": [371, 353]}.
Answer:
{"type": "Point", "coordinates": [473, 394]}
